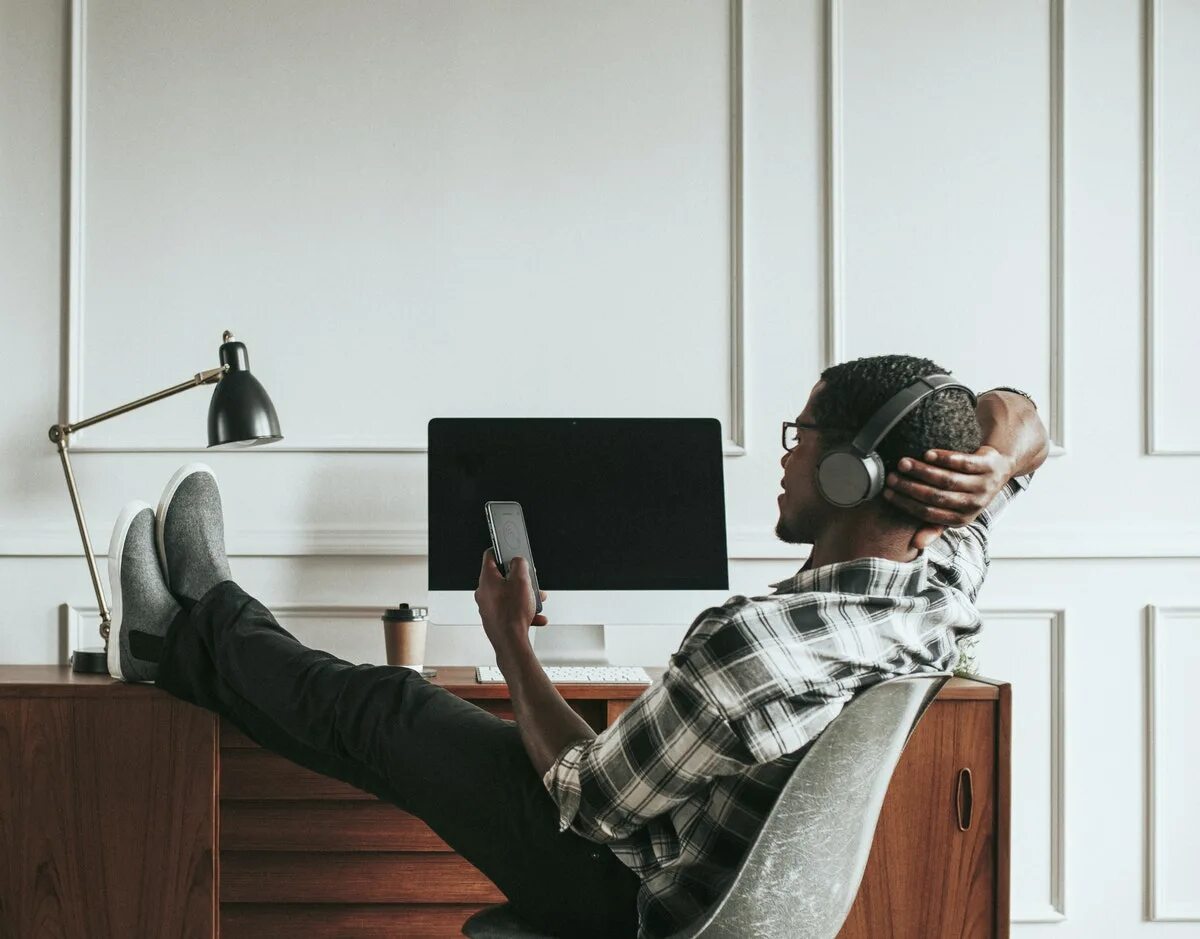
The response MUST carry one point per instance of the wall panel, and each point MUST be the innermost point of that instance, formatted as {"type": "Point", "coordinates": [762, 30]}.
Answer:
{"type": "Point", "coordinates": [401, 205]}
{"type": "Point", "coordinates": [924, 101]}
{"type": "Point", "coordinates": [1173, 750]}
{"type": "Point", "coordinates": [1027, 648]}
{"type": "Point", "coordinates": [1172, 110]}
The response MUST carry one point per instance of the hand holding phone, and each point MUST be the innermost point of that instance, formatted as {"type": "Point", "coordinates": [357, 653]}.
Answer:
{"type": "Point", "coordinates": [506, 524]}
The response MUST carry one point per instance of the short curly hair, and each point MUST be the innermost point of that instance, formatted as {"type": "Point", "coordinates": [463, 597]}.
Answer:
{"type": "Point", "coordinates": [855, 390]}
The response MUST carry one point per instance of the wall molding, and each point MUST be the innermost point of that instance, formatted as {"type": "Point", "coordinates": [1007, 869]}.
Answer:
{"type": "Point", "coordinates": [1149, 185]}
{"type": "Point", "coordinates": [73, 333]}
{"type": "Point", "coordinates": [744, 544]}
{"type": "Point", "coordinates": [1150, 265]}
{"type": "Point", "coordinates": [450, 644]}
{"type": "Point", "coordinates": [833, 345]}
{"type": "Point", "coordinates": [1048, 543]}
{"type": "Point", "coordinates": [1158, 908]}
{"type": "Point", "coordinates": [1055, 909]}
{"type": "Point", "coordinates": [79, 625]}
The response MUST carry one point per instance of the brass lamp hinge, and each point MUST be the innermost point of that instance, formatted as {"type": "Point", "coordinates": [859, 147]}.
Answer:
{"type": "Point", "coordinates": [208, 376]}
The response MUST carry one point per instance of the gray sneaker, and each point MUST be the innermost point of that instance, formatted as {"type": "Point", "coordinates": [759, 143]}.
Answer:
{"type": "Point", "coordinates": [142, 606]}
{"type": "Point", "coordinates": [191, 532]}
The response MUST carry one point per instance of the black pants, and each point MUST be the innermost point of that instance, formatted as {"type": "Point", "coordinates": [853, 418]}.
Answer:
{"type": "Point", "coordinates": [387, 730]}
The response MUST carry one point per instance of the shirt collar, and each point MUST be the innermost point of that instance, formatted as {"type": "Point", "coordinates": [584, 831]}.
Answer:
{"type": "Point", "coordinates": [867, 576]}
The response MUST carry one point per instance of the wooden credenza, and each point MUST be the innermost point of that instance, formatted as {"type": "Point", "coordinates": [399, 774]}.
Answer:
{"type": "Point", "coordinates": [124, 812]}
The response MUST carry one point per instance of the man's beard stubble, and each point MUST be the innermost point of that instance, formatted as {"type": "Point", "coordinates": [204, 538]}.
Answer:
{"type": "Point", "coordinates": [786, 534]}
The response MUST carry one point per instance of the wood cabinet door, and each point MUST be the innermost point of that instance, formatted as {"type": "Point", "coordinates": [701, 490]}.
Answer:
{"type": "Point", "coordinates": [926, 877]}
{"type": "Point", "coordinates": [107, 817]}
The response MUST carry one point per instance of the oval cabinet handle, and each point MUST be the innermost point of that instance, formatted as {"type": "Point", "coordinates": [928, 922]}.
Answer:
{"type": "Point", "coordinates": [964, 800]}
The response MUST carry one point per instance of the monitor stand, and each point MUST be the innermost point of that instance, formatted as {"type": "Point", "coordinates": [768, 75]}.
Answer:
{"type": "Point", "coordinates": [557, 644]}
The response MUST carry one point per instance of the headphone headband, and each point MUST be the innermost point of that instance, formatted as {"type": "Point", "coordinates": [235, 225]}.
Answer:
{"type": "Point", "coordinates": [899, 405]}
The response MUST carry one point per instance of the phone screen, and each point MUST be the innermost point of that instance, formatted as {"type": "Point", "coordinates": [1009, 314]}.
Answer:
{"type": "Point", "coordinates": [506, 524]}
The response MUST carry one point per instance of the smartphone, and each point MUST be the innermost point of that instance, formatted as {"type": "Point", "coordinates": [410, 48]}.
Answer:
{"type": "Point", "coordinates": [506, 524]}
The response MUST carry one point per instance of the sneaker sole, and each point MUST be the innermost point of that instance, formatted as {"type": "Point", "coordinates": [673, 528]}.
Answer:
{"type": "Point", "coordinates": [160, 516]}
{"type": "Point", "coordinates": [116, 547]}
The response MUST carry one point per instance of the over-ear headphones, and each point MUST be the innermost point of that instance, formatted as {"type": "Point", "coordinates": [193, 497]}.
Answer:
{"type": "Point", "coordinates": [852, 474]}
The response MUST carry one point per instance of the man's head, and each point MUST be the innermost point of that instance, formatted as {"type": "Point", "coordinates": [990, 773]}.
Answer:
{"type": "Point", "coordinates": [844, 399]}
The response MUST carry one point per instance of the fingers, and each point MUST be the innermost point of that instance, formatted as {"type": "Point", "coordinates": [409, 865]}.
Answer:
{"type": "Point", "coordinates": [952, 479]}
{"type": "Point", "coordinates": [929, 495]}
{"type": "Point", "coordinates": [953, 459]}
{"type": "Point", "coordinates": [488, 568]}
{"type": "Point", "coordinates": [923, 511]}
{"type": "Point", "coordinates": [518, 569]}
{"type": "Point", "coordinates": [491, 568]}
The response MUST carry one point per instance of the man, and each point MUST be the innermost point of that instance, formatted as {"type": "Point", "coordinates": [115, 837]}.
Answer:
{"type": "Point", "coordinates": [636, 830]}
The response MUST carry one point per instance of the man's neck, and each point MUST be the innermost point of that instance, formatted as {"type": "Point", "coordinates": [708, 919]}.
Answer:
{"type": "Point", "coordinates": [852, 542]}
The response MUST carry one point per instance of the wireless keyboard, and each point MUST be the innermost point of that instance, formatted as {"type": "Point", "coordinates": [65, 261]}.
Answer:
{"type": "Point", "coordinates": [570, 674]}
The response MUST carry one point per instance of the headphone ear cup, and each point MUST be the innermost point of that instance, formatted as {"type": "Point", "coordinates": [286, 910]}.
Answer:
{"type": "Point", "coordinates": [845, 479]}
{"type": "Point", "coordinates": [878, 472]}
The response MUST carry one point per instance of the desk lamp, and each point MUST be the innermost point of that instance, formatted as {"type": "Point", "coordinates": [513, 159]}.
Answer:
{"type": "Point", "coordinates": [240, 414]}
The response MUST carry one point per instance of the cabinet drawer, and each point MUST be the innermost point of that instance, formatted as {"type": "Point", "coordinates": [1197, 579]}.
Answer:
{"type": "Point", "coordinates": [254, 773]}
{"type": "Point", "coordinates": [343, 825]}
{"type": "Point", "coordinates": [351, 921]}
{"type": "Point", "coordinates": [337, 877]}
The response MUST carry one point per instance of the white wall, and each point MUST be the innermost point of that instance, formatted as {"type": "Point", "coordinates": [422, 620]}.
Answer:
{"type": "Point", "coordinates": [363, 191]}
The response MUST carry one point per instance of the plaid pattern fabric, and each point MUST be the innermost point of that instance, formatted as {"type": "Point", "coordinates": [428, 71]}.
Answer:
{"type": "Point", "coordinates": [679, 785]}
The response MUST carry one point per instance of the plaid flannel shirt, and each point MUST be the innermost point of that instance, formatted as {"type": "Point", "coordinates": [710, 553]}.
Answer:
{"type": "Point", "coordinates": [679, 785]}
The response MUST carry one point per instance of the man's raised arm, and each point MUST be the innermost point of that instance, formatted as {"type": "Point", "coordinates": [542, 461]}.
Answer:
{"type": "Point", "coordinates": [1010, 423]}
{"type": "Point", "coordinates": [950, 489]}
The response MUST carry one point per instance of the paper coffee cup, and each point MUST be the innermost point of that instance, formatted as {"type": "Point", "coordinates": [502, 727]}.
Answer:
{"type": "Point", "coordinates": [404, 632]}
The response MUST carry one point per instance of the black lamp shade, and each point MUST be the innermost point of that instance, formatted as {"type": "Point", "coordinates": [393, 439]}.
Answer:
{"type": "Point", "coordinates": [240, 413]}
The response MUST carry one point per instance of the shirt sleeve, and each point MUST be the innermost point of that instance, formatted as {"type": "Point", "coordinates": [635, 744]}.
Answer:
{"type": "Point", "coordinates": [666, 747]}
{"type": "Point", "coordinates": [960, 556]}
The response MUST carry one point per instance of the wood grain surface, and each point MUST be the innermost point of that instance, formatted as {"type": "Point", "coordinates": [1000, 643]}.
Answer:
{"type": "Point", "coordinates": [107, 817]}
{"type": "Point", "coordinates": [309, 877]}
{"type": "Point", "coordinates": [254, 773]}
{"type": "Point", "coordinates": [59, 681]}
{"type": "Point", "coordinates": [109, 823]}
{"type": "Point", "coordinates": [925, 878]}
{"type": "Point", "coordinates": [351, 921]}
{"type": "Point", "coordinates": [324, 826]}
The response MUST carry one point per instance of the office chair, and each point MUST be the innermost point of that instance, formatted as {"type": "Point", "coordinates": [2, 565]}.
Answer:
{"type": "Point", "coordinates": [801, 874]}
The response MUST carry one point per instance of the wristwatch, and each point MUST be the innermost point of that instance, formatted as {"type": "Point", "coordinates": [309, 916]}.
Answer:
{"type": "Point", "coordinates": [1018, 391]}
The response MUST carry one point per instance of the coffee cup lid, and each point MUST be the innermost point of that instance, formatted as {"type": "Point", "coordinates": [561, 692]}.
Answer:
{"type": "Point", "coordinates": [404, 612]}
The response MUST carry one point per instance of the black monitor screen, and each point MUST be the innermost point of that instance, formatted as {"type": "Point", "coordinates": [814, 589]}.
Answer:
{"type": "Point", "coordinates": [610, 503]}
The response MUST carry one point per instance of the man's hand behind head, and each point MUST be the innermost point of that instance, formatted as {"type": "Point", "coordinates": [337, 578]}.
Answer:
{"type": "Point", "coordinates": [947, 489]}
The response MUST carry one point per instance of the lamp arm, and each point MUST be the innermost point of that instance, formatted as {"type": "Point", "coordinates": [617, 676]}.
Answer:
{"type": "Point", "coordinates": [200, 378]}
{"type": "Point", "coordinates": [105, 616]}
{"type": "Point", "coordinates": [59, 434]}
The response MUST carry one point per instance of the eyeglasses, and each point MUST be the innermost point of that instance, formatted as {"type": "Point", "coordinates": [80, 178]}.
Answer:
{"type": "Point", "coordinates": [791, 433]}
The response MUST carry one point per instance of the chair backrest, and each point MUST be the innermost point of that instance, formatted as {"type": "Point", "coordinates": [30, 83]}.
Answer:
{"type": "Point", "coordinates": [802, 873]}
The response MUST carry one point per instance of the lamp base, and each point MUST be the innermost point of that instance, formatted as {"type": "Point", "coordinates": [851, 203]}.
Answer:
{"type": "Point", "coordinates": [90, 661]}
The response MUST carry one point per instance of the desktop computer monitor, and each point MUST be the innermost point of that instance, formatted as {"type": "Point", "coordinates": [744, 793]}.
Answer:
{"type": "Point", "coordinates": [626, 520]}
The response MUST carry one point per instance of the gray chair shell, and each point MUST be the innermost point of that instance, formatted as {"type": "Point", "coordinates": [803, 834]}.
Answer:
{"type": "Point", "coordinates": [802, 873]}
